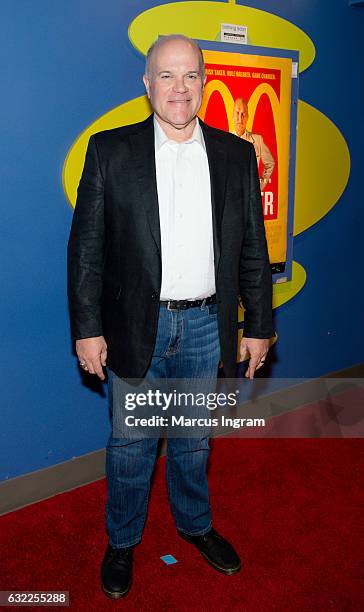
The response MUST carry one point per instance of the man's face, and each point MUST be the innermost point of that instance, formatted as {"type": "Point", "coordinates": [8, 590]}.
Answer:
{"type": "Point", "coordinates": [240, 116]}
{"type": "Point", "coordinates": [174, 85]}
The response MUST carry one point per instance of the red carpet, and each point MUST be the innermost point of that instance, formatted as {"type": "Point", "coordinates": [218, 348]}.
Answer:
{"type": "Point", "coordinates": [292, 508]}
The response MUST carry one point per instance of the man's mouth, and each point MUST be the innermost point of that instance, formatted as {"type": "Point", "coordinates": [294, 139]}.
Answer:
{"type": "Point", "coordinates": [180, 101]}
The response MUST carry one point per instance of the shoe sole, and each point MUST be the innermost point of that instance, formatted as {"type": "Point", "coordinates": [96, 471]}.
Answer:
{"type": "Point", "coordinates": [115, 595]}
{"type": "Point", "coordinates": [223, 570]}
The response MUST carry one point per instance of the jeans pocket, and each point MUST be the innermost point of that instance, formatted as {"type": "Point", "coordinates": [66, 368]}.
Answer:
{"type": "Point", "coordinates": [212, 310]}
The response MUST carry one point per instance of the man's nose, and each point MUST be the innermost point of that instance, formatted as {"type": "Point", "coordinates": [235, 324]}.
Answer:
{"type": "Point", "coordinates": [180, 85]}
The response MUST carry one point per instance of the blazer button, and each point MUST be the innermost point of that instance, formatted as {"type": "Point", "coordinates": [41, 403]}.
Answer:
{"type": "Point", "coordinates": [155, 295]}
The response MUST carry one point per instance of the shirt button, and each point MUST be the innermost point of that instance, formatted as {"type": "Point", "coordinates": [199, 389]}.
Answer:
{"type": "Point", "coordinates": [155, 295]}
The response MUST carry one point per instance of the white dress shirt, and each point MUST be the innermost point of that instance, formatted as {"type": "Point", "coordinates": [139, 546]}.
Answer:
{"type": "Point", "coordinates": [185, 213]}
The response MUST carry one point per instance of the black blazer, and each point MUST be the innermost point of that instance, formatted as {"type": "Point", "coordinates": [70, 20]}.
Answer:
{"type": "Point", "coordinates": [114, 250]}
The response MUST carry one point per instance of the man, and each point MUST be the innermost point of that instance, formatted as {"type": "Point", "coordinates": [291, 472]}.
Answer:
{"type": "Point", "coordinates": [240, 117]}
{"type": "Point", "coordinates": [167, 233]}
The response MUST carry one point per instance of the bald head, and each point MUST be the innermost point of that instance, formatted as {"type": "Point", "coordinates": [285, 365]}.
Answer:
{"type": "Point", "coordinates": [163, 40]}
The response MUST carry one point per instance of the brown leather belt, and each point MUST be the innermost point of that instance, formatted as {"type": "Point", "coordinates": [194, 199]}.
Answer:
{"type": "Point", "coordinates": [184, 304]}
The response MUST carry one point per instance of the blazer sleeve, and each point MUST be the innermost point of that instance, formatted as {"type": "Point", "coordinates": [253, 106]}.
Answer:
{"type": "Point", "coordinates": [86, 250]}
{"type": "Point", "coordinates": [255, 277]}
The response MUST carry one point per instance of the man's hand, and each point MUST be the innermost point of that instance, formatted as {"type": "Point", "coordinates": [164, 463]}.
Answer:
{"type": "Point", "coordinates": [257, 349]}
{"type": "Point", "coordinates": [92, 353]}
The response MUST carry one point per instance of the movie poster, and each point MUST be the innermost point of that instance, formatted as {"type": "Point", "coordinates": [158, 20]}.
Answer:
{"type": "Point", "coordinates": [250, 96]}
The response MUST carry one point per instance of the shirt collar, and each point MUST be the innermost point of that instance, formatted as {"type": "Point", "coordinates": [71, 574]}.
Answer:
{"type": "Point", "coordinates": [160, 137]}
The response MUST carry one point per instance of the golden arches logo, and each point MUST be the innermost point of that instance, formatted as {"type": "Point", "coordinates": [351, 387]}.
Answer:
{"type": "Point", "coordinates": [218, 86]}
{"type": "Point", "coordinates": [264, 88]}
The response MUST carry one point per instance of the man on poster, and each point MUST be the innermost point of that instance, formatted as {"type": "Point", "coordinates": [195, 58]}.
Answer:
{"type": "Point", "coordinates": [167, 233]}
{"type": "Point", "coordinates": [262, 152]}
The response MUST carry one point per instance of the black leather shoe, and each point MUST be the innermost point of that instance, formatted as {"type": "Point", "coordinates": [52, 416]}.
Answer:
{"type": "Point", "coordinates": [216, 550]}
{"type": "Point", "coordinates": [116, 571]}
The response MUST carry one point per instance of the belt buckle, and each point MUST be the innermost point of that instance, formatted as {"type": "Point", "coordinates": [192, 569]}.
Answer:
{"type": "Point", "coordinates": [169, 306]}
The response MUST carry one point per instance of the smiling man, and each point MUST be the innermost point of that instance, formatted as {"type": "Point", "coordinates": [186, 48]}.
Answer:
{"type": "Point", "coordinates": [167, 234]}
{"type": "Point", "coordinates": [174, 81]}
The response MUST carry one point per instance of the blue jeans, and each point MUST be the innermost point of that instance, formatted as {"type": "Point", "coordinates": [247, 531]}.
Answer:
{"type": "Point", "coordinates": [187, 346]}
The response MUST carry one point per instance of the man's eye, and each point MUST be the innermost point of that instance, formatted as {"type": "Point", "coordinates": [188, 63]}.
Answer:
{"type": "Point", "coordinates": [165, 76]}
{"type": "Point", "coordinates": [192, 77]}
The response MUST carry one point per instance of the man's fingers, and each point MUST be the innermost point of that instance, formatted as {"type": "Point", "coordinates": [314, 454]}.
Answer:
{"type": "Point", "coordinates": [93, 366]}
{"type": "Point", "coordinates": [103, 356]}
{"type": "Point", "coordinates": [257, 349]}
{"type": "Point", "coordinates": [98, 370]}
{"type": "Point", "coordinates": [90, 367]}
{"type": "Point", "coordinates": [261, 361]}
{"type": "Point", "coordinates": [254, 364]}
{"type": "Point", "coordinates": [250, 372]}
{"type": "Point", "coordinates": [92, 353]}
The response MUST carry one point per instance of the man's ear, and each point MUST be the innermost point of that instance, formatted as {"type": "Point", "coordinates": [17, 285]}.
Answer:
{"type": "Point", "coordinates": [146, 84]}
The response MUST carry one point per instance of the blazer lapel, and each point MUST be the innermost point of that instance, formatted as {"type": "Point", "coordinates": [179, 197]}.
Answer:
{"type": "Point", "coordinates": [142, 143]}
{"type": "Point", "coordinates": [217, 158]}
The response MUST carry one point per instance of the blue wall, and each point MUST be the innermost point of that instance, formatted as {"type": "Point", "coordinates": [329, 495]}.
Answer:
{"type": "Point", "coordinates": [64, 65]}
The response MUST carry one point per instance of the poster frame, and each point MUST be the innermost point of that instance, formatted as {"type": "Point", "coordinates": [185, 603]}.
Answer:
{"type": "Point", "coordinates": [208, 45]}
